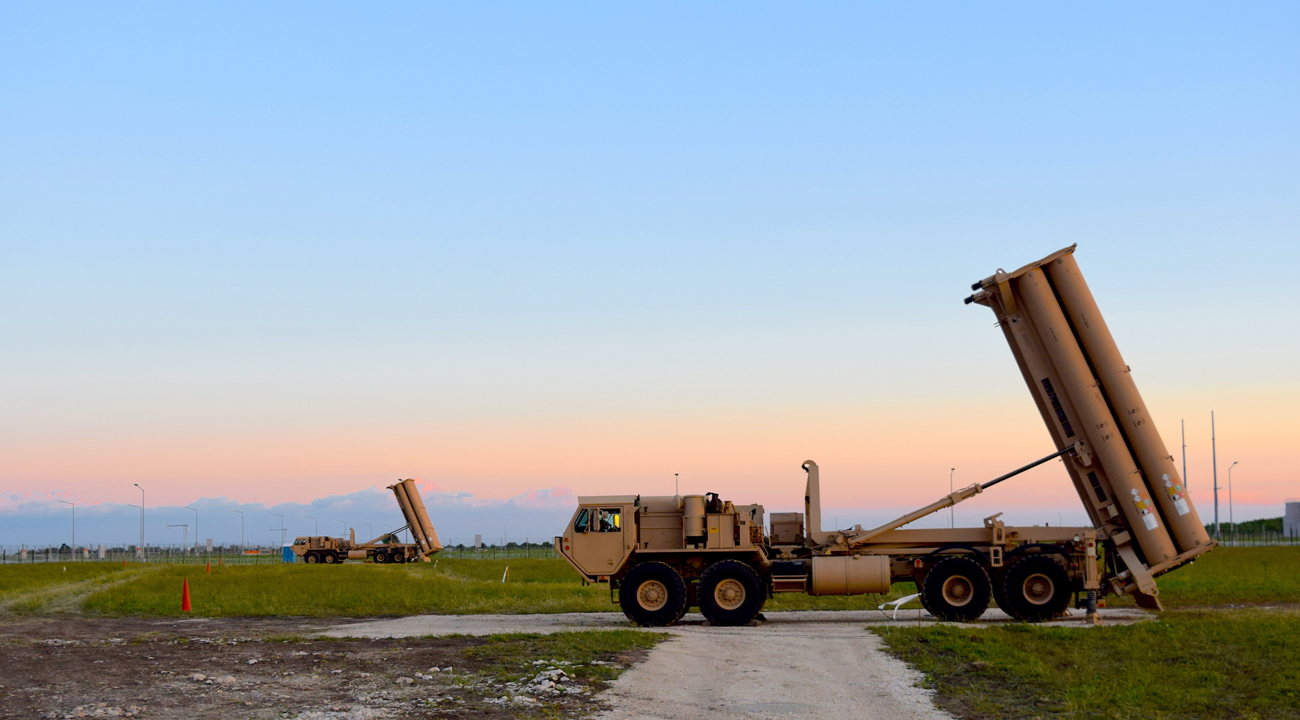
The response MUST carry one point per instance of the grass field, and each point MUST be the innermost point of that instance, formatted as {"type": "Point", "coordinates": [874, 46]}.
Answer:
{"type": "Point", "coordinates": [1188, 664]}
{"type": "Point", "coordinates": [1228, 576]}
{"type": "Point", "coordinates": [1225, 649]}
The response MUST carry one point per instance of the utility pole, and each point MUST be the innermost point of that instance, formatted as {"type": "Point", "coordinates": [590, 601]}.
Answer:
{"type": "Point", "coordinates": [74, 524]}
{"type": "Point", "coordinates": [281, 528]}
{"type": "Point", "coordinates": [316, 525]}
{"type": "Point", "coordinates": [241, 530]}
{"type": "Point", "coordinates": [142, 555]}
{"type": "Point", "coordinates": [1231, 523]}
{"type": "Point", "coordinates": [196, 529]}
{"type": "Point", "coordinates": [1214, 461]}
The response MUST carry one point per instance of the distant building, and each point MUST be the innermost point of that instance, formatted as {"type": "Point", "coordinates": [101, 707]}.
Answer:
{"type": "Point", "coordinates": [1291, 520]}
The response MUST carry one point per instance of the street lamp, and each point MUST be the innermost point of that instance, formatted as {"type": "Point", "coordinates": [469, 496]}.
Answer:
{"type": "Point", "coordinates": [316, 526]}
{"type": "Point", "coordinates": [1230, 522]}
{"type": "Point", "coordinates": [142, 556]}
{"type": "Point", "coordinates": [74, 525]}
{"type": "Point", "coordinates": [196, 529]}
{"type": "Point", "coordinates": [345, 526]}
{"type": "Point", "coordinates": [370, 530]}
{"type": "Point", "coordinates": [241, 530]}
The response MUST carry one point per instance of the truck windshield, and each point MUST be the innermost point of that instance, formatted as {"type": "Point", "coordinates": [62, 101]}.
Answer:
{"type": "Point", "coordinates": [580, 525]}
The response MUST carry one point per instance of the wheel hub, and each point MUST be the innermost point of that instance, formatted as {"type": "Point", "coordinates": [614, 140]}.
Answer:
{"type": "Point", "coordinates": [652, 595]}
{"type": "Point", "coordinates": [1039, 589]}
{"type": "Point", "coordinates": [958, 590]}
{"type": "Point", "coordinates": [729, 594]}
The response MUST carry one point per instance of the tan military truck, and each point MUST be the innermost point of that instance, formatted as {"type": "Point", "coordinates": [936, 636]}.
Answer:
{"type": "Point", "coordinates": [662, 555]}
{"type": "Point", "coordinates": [386, 548]}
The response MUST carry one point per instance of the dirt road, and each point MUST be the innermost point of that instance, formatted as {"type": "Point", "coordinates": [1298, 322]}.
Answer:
{"type": "Point", "coordinates": [796, 665]}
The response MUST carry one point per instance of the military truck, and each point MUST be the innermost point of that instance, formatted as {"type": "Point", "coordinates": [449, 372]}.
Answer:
{"type": "Point", "coordinates": [661, 555]}
{"type": "Point", "coordinates": [386, 548]}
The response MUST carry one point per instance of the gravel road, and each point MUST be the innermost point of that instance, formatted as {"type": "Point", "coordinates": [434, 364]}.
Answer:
{"type": "Point", "coordinates": [806, 664]}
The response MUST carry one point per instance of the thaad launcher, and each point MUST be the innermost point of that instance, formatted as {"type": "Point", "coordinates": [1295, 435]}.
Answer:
{"type": "Point", "coordinates": [1120, 466]}
{"type": "Point", "coordinates": [663, 555]}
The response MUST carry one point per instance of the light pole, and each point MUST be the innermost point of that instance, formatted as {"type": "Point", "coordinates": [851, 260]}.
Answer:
{"type": "Point", "coordinates": [196, 529]}
{"type": "Point", "coordinates": [952, 510]}
{"type": "Point", "coordinates": [141, 520]}
{"type": "Point", "coordinates": [1230, 521]}
{"type": "Point", "coordinates": [345, 526]}
{"type": "Point", "coordinates": [241, 530]}
{"type": "Point", "coordinates": [281, 528]}
{"type": "Point", "coordinates": [316, 525]}
{"type": "Point", "coordinates": [74, 525]}
{"type": "Point", "coordinates": [1183, 424]}
{"type": "Point", "coordinates": [139, 550]}
{"type": "Point", "coordinates": [370, 530]}
{"type": "Point", "coordinates": [1214, 462]}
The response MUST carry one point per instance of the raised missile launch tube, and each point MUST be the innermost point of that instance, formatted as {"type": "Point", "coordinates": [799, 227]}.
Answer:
{"type": "Point", "coordinates": [422, 516]}
{"type": "Point", "coordinates": [1126, 403]}
{"type": "Point", "coordinates": [1099, 425]}
{"type": "Point", "coordinates": [403, 502]}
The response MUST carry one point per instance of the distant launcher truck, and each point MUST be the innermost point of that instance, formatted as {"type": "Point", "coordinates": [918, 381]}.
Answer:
{"type": "Point", "coordinates": [386, 548]}
{"type": "Point", "coordinates": [663, 555]}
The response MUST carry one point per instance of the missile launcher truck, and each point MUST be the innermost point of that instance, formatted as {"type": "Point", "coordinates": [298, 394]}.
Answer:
{"type": "Point", "coordinates": [661, 555]}
{"type": "Point", "coordinates": [386, 548]}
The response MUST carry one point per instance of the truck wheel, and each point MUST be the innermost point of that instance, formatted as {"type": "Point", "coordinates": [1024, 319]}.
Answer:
{"type": "Point", "coordinates": [1036, 588]}
{"type": "Point", "coordinates": [652, 594]}
{"type": "Point", "coordinates": [312, 557]}
{"type": "Point", "coordinates": [329, 558]}
{"type": "Point", "coordinates": [381, 557]}
{"type": "Point", "coordinates": [730, 593]}
{"type": "Point", "coordinates": [957, 590]}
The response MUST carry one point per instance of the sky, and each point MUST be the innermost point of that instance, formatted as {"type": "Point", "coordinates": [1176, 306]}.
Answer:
{"type": "Point", "coordinates": [266, 255]}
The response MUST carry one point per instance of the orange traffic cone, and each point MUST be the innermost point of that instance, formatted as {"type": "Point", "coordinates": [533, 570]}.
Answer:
{"type": "Point", "coordinates": [185, 596]}
{"type": "Point", "coordinates": [218, 561]}
{"type": "Point", "coordinates": [123, 562]}
{"type": "Point", "coordinates": [209, 567]}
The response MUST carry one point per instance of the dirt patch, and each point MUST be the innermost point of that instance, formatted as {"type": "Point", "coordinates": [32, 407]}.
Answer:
{"type": "Point", "coordinates": [277, 668]}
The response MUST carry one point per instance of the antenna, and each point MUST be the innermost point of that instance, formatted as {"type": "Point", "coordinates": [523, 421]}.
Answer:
{"type": "Point", "coordinates": [676, 489]}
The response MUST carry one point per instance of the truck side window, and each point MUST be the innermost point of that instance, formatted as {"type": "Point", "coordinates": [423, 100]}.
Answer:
{"type": "Point", "coordinates": [611, 520]}
{"type": "Point", "coordinates": [580, 525]}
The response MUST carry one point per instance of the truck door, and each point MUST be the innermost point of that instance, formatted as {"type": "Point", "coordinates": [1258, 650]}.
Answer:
{"type": "Point", "coordinates": [601, 539]}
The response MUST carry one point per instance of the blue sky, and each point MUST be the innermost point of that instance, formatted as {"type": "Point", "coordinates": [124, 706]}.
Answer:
{"type": "Point", "coordinates": [302, 249]}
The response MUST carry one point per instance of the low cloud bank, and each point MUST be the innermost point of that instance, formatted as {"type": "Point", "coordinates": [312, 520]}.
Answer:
{"type": "Point", "coordinates": [36, 519]}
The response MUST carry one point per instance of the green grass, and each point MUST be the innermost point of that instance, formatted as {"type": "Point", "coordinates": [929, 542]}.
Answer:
{"type": "Point", "coordinates": [1226, 576]}
{"type": "Point", "coordinates": [348, 590]}
{"type": "Point", "coordinates": [1233, 576]}
{"type": "Point", "coordinates": [18, 579]}
{"type": "Point", "coordinates": [1188, 664]}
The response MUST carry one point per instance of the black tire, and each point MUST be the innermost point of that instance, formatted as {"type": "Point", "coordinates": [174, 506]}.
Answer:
{"type": "Point", "coordinates": [312, 557]}
{"type": "Point", "coordinates": [1036, 588]}
{"type": "Point", "coordinates": [381, 557]}
{"type": "Point", "coordinates": [956, 590]}
{"type": "Point", "coordinates": [329, 557]}
{"type": "Point", "coordinates": [652, 594]}
{"type": "Point", "coordinates": [730, 593]}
